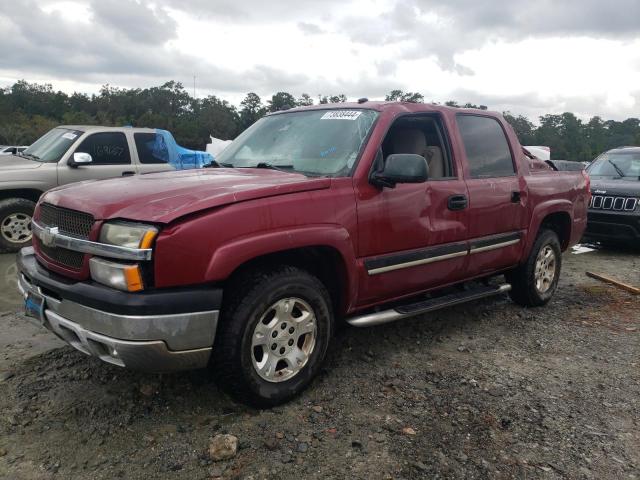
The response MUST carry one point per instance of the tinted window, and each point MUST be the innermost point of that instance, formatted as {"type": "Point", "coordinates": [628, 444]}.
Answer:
{"type": "Point", "coordinates": [486, 146]}
{"type": "Point", "coordinates": [109, 148]}
{"type": "Point", "coordinates": [151, 148]}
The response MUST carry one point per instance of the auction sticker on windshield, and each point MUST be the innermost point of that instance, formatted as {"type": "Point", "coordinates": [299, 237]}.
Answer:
{"type": "Point", "coordinates": [341, 115]}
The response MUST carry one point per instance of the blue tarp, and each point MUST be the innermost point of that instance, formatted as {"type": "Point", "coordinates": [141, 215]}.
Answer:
{"type": "Point", "coordinates": [166, 149]}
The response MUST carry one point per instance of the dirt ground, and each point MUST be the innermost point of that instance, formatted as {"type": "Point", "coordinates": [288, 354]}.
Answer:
{"type": "Point", "coordinates": [485, 390]}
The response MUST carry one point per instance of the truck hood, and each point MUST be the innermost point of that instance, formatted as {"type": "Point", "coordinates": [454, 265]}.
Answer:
{"type": "Point", "coordinates": [13, 162]}
{"type": "Point", "coordinates": [164, 197]}
{"type": "Point", "coordinates": [627, 188]}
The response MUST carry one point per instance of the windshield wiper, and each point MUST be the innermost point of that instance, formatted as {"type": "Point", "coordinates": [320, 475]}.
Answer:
{"type": "Point", "coordinates": [618, 169]}
{"type": "Point", "coordinates": [282, 168]}
{"type": "Point", "coordinates": [216, 164]}
{"type": "Point", "coordinates": [28, 155]}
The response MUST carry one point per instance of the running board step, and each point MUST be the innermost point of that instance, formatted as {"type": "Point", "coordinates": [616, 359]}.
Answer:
{"type": "Point", "coordinates": [425, 306]}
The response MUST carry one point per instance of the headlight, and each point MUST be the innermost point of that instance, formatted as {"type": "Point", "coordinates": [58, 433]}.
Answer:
{"type": "Point", "coordinates": [122, 276]}
{"type": "Point", "coordinates": [131, 235]}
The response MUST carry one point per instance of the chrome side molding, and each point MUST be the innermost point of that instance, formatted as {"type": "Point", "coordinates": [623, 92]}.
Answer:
{"type": "Point", "coordinates": [51, 237]}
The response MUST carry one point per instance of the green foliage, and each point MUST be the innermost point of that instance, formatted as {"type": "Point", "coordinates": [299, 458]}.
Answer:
{"type": "Point", "coordinates": [280, 101]}
{"type": "Point", "coordinates": [323, 99]}
{"type": "Point", "coordinates": [28, 110]}
{"type": "Point", "coordinates": [401, 96]}
{"type": "Point", "coordinates": [251, 111]}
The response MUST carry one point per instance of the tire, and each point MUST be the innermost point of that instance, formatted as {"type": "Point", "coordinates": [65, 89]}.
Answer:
{"type": "Point", "coordinates": [534, 282]}
{"type": "Point", "coordinates": [263, 304]}
{"type": "Point", "coordinates": [15, 224]}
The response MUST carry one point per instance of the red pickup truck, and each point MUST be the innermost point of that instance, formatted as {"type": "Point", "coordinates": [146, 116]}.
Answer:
{"type": "Point", "coordinates": [368, 212]}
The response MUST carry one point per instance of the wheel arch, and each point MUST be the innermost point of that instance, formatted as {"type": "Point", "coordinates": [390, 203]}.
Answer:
{"type": "Point", "coordinates": [31, 194]}
{"type": "Point", "coordinates": [332, 260]}
{"type": "Point", "coordinates": [557, 215]}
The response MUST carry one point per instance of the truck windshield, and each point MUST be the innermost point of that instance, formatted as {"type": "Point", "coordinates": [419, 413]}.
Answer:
{"type": "Point", "coordinates": [616, 165]}
{"type": "Point", "coordinates": [52, 145]}
{"type": "Point", "coordinates": [312, 142]}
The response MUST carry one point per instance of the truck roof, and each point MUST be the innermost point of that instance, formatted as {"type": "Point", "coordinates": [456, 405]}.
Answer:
{"type": "Point", "coordinates": [102, 128]}
{"type": "Point", "coordinates": [380, 106]}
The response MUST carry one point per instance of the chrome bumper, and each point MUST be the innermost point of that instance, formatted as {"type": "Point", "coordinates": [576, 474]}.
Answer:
{"type": "Point", "coordinates": [140, 342]}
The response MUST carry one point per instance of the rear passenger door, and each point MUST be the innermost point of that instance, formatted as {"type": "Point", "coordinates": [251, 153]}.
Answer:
{"type": "Point", "coordinates": [153, 152]}
{"type": "Point", "coordinates": [496, 213]}
{"type": "Point", "coordinates": [110, 155]}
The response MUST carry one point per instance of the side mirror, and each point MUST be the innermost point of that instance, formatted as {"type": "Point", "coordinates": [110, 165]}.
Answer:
{"type": "Point", "coordinates": [79, 159]}
{"type": "Point", "coordinates": [402, 168]}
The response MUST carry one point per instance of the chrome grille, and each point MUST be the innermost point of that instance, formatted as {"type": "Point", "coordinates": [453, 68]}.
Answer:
{"type": "Point", "coordinates": [69, 222]}
{"type": "Point", "coordinates": [65, 257]}
{"type": "Point", "coordinates": [620, 204]}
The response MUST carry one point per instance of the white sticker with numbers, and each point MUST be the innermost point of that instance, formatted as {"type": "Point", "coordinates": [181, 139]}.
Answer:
{"type": "Point", "coordinates": [70, 136]}
{"type": "Point", "coordinates": [341, 115]}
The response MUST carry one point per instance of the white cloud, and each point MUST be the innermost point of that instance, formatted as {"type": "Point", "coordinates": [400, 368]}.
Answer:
{"type": "Point", "coordinates": [530, 58]}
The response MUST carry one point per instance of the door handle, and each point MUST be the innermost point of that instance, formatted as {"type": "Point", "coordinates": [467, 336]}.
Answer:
{"type": "Point", "coordinates": [515, 197]}
{"type": "Point", "coordinates": [128, 173]}
{"type": "Point", "coordinates": [457, 202]}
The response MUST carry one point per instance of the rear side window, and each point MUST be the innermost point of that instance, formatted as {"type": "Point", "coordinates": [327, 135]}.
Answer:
{"type": "Point", "coordinates": [486, 146]}
{"type": "Point", "coordinates": [151, 148]}
{"type": "Point", "coordinates": [108, 148]}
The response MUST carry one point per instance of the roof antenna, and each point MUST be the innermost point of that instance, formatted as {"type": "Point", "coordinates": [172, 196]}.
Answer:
{"type": "Point", "coordinates": [363, 100]}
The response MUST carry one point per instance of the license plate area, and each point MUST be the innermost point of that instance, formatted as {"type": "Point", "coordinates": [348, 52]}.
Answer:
{"type": "Point", "coordinates": [34, 306]}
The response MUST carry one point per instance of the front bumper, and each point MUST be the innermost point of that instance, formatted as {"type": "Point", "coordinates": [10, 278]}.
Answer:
{"type": "Point", "coordinates": [613, 226]}
{"type": "Point", "coordinates": [157, 331]}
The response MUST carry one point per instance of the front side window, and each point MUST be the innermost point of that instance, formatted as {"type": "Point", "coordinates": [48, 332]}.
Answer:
{"type": "Point", "coordinates": [312, 142]}
{"type": "Point", "coordinates": [486, 146]}
{"type": "Point", "coordinates": [107, 148]}
{"type": "Point", "coordinates": [616, 165]}
{"type": "Point", "coordinates": [52, 145]}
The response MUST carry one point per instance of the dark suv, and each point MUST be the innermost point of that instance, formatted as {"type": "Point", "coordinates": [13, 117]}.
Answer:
{"type": "Point", "coordinates": [614, 211]}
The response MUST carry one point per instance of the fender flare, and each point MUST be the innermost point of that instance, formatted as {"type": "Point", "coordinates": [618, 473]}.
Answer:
{"type": "Point", "coordinates": [231, 255]}
{"type": "Point", "coordinates": [540, 212]}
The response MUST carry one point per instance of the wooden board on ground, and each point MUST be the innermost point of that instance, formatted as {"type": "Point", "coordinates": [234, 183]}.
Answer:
{"type": "Point", "coordinates": [612, 281]}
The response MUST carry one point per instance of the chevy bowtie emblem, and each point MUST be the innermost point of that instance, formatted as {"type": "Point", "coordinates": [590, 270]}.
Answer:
{"type": "Point", "coordinates": [48, 235]}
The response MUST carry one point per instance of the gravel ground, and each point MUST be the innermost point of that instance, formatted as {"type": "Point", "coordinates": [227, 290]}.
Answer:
{"type": "Point", "coordinates": [485, 390]}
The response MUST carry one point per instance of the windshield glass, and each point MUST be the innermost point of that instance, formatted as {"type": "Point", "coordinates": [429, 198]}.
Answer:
{"type": "Point", "coordinates": [616, 165]}
{"type": "Point", "coordinates": [312, 142]}
{"type": "Point", "coordinates": [52, 145]}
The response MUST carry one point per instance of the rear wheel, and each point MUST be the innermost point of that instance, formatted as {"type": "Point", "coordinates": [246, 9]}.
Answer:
{"type": "Point", "coordinates": [273, 335]}
{"type": "Point", "coordinates": [15, 224]}
{"type": "Point", "coordinates": [534, 283]}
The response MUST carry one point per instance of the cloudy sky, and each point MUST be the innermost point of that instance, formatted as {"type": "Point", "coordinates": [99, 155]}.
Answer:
{"type": "Point", "coordinates": [529, 57]}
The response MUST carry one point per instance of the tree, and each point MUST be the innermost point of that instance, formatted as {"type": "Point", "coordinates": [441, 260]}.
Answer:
{"type": "Point", "coordinates": [400, 96]}
{"type": "Point", "coordinates": [28, 110]}
{"type": "Point", "coordinates": [523, 127]}
{"type": "Point", "coordinates": [305, 100]}
{"type": "Point", "coordinates": [281, 100]}
{"type": "Point", "coordinates": [323, 99]}
{"type": "Point", "coordinates": [252, 110]}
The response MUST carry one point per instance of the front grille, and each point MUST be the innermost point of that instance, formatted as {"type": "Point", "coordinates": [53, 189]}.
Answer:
{"type": "Point", "coordinates": [65, 257]}
{"type": "Point", "coordinates": [69, 222]}
{"type": "Point", "coordinates": [620, 204]}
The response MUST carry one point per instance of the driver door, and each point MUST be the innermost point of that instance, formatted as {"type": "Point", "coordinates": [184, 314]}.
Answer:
{"type": "Point", "coordinates": [411, 237]}
{"type": "Point", "coordinates": [110, 154]}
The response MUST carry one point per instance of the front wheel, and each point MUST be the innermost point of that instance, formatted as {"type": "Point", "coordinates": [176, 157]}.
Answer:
{"type": "Point", "coordinates": [273, 335]}
{"type": "Point", "coordinates": [534, 283]}
{"type": "Point", "coordinates": [15, 224]}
